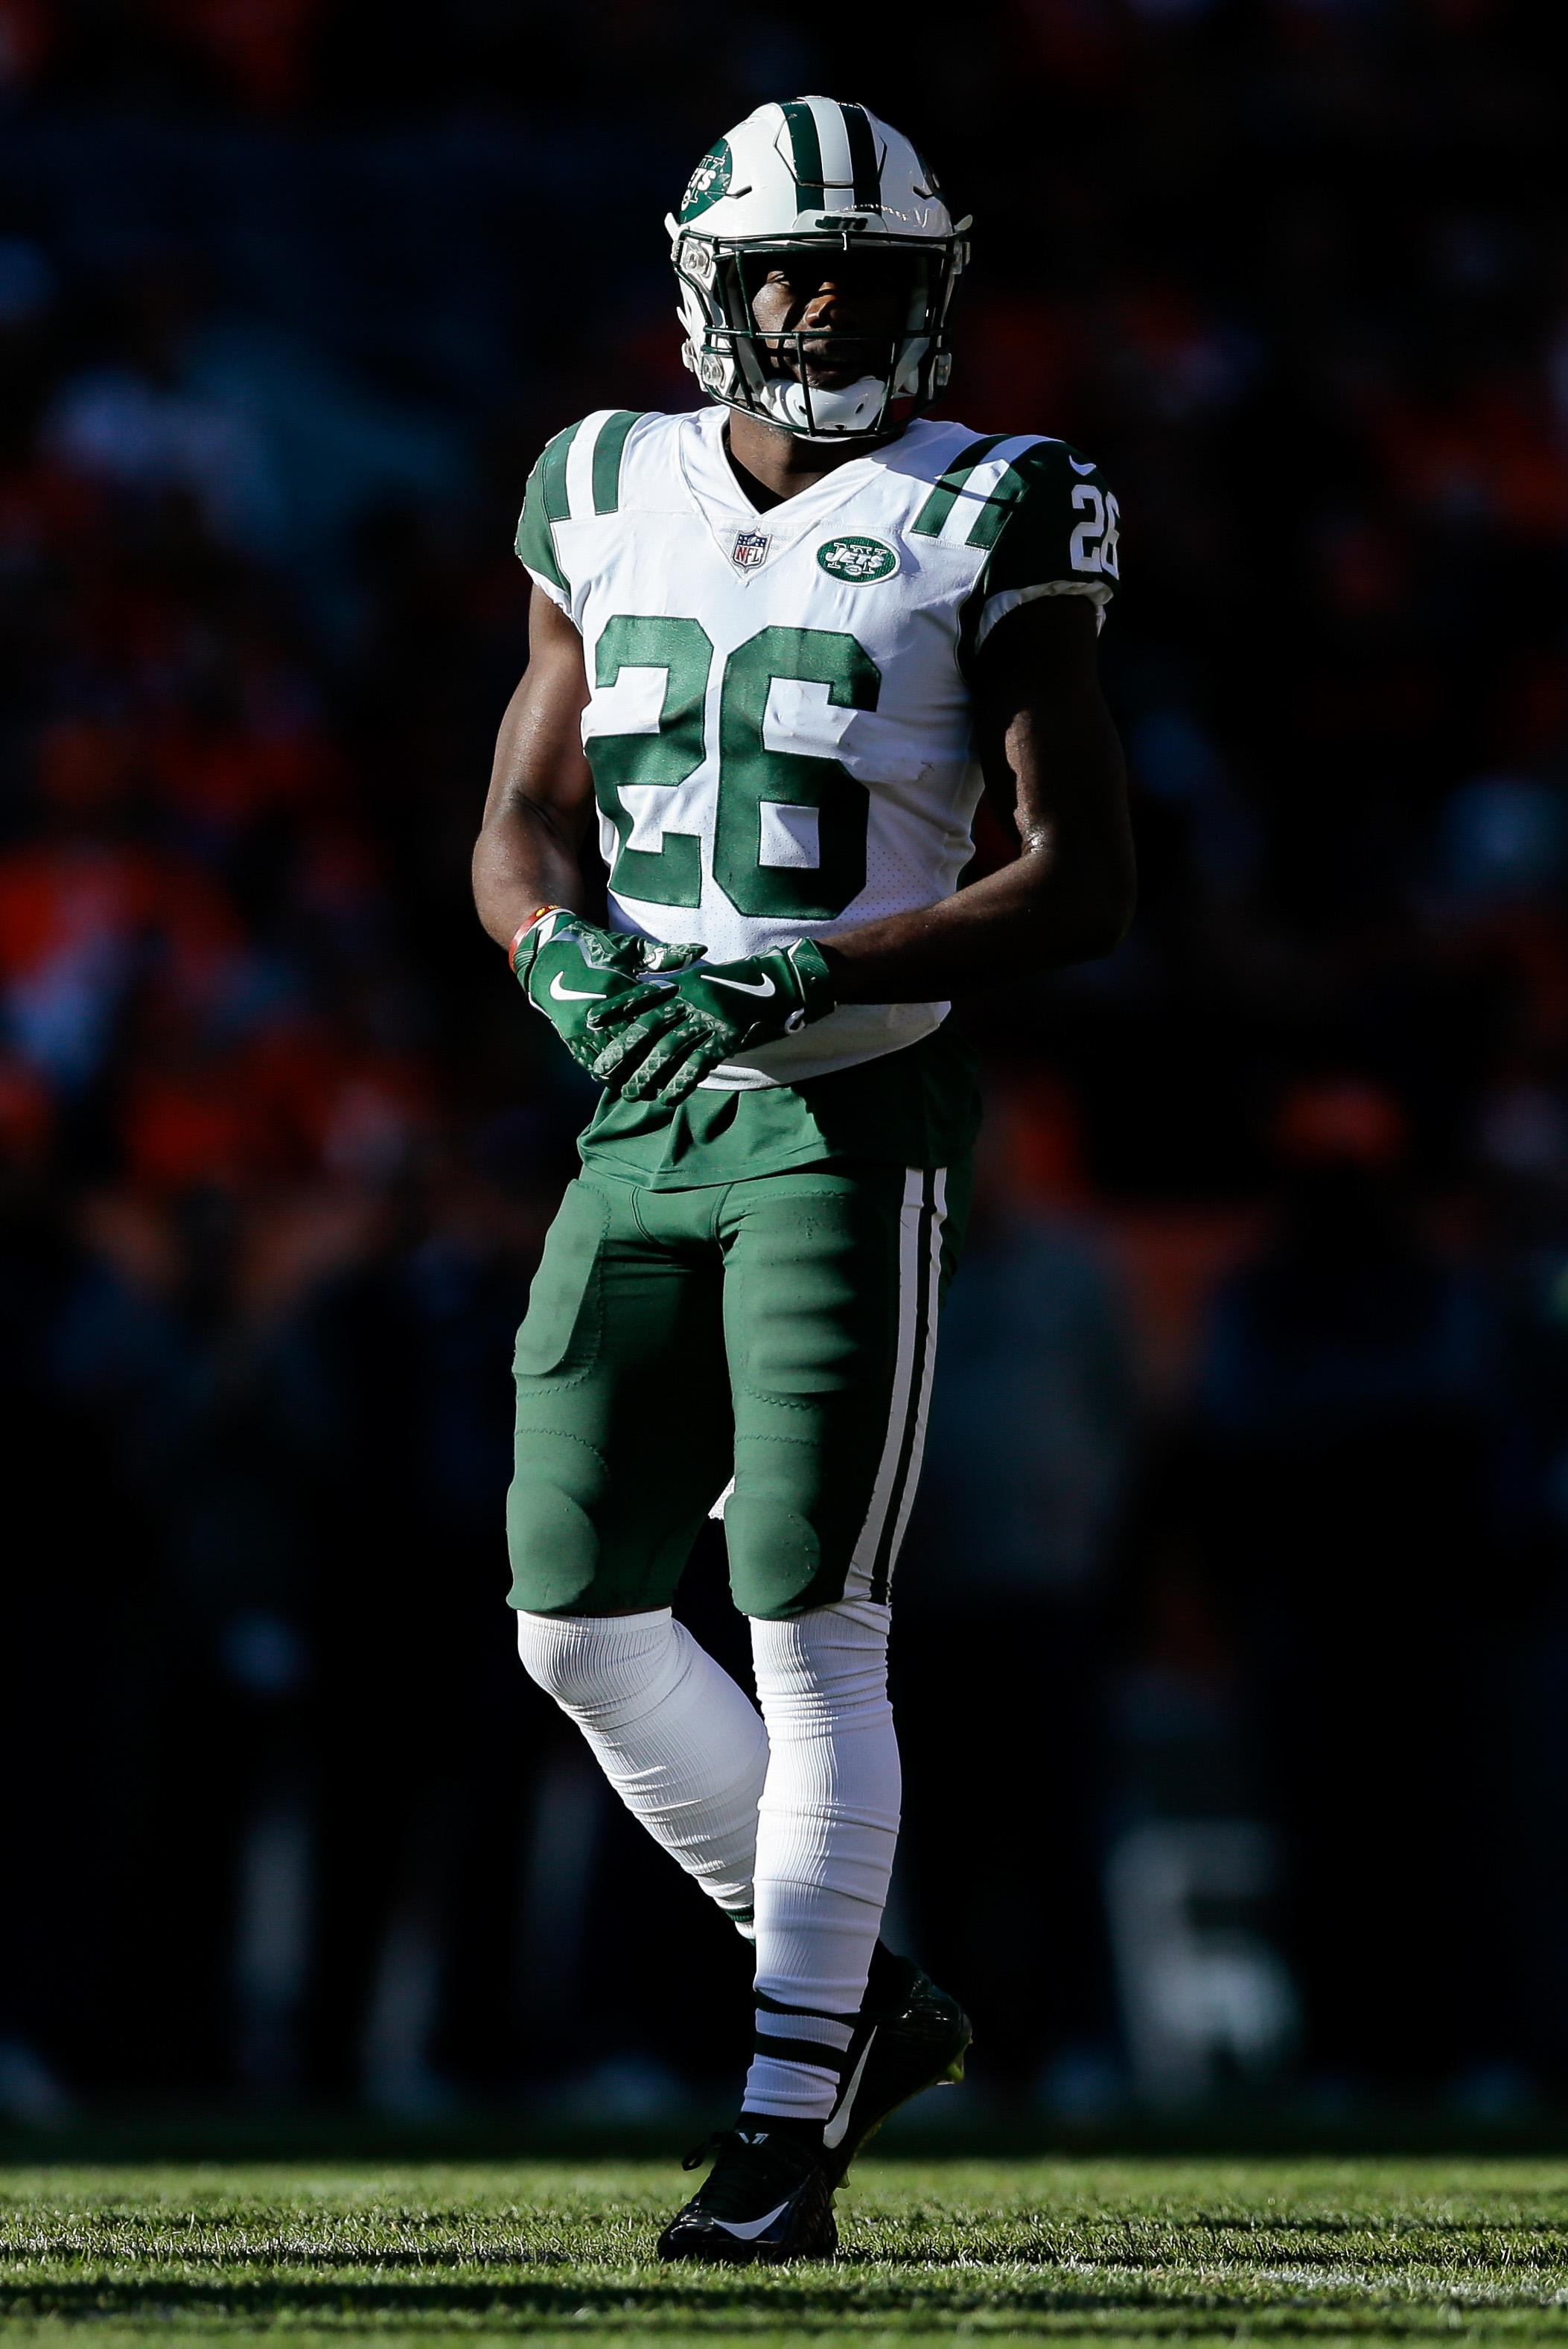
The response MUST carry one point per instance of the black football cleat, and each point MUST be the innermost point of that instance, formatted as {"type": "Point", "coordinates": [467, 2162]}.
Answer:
{"type": "Point", "coordinates": [766, 2197]}
{"type": "Point", "coordinates": [909, 2036]}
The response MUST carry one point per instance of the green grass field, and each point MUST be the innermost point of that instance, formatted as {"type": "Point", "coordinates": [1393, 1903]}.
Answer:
{"type": "Point", "coordinates": [1142, 2250]}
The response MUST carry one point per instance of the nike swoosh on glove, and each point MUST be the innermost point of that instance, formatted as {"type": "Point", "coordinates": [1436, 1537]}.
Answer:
{"type": "Point", "coordinates": [713, 1010]}
{"type": "Point", "coordinates": [569, 967]}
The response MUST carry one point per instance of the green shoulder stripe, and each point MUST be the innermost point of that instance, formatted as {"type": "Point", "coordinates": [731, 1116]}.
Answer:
{"type": "Point", "coordinates": [928, 522]}
{"type": "Point", "coordinates": [994, 511]}
{"type": "Point", "coordinates": [552, 473]}
{"type": "Point", "coordinates": [544, 501]}
{"type": "Point", "coordinates": [608, 450]}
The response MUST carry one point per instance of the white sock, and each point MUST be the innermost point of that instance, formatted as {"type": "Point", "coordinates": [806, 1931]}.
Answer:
{"type": "Point", "coordinates": [827, 1830]}
{"type": "Point", "coordinates": [680, 1742]}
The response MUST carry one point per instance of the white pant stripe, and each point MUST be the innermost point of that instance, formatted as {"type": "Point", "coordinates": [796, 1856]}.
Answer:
{"type": "Point", "coordinates": [909, 1377]}
{"type": "Point", "coordinates": [928, 1366]}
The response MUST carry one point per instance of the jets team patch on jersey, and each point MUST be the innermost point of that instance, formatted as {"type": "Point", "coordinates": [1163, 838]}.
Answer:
{"type": "Point", "coordinates": [858, 559]}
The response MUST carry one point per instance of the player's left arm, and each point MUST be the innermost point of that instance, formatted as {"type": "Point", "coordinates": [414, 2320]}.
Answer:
{"type": "Point", "coordinates": [1053, 765]}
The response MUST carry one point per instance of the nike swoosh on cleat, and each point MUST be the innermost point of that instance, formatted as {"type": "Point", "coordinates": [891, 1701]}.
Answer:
{"type": "Point", "coordinates": [575, 994]}
{"type": "Point", "coordinates": [838, 2126]}
{"type": "Point", "coordinates": [742, 985]}
{"type": "Point", "coordinates": [1081, 469]}
{"type": "Point", "coordinates": [747, 2230]}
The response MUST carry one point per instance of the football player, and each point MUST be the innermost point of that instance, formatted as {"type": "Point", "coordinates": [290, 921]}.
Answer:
{"type": "Point", "coordinates": [778, 645]}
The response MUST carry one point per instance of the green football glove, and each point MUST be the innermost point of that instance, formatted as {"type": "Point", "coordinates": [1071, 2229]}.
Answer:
{"type": "Point", "coordinates": [662, 1051]}
{"type": "Point", "coordinates": [567, 967]}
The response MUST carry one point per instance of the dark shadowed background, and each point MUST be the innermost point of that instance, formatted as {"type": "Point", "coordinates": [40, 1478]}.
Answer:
{"type": "Point", "coordinates": [1231, 1642]}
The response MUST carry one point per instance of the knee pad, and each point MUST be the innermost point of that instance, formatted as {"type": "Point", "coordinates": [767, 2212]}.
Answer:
{"type": "Point", "coordinates": [775, 1554]}
{"type": "Point", "coordinates": [552, 1540]}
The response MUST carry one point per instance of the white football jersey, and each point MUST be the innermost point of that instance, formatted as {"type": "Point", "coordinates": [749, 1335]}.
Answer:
{"type": "Point", "coordinates": [780, 725]}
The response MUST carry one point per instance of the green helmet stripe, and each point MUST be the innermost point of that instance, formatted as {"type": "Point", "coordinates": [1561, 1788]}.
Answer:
{"type": "Point", "coordinates": [928, 522]}
{"type": "Point", "coordinates": [806, 149]}
{"type": "Point", "coordinates": [607, 453]}
{"type": "Point", "coordinates": [552, 475]}
{"type": "Point", "coordinates": [864, 159]}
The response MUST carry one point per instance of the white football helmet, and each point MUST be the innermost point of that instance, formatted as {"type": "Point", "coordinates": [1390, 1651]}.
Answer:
{"type": "Point", "coordinates": [812, 173]}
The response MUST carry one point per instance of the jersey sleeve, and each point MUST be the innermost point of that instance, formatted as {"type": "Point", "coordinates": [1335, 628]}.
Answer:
{"type": "Point", "coordinates": [1057, 536]}
{"type": "Point", "coordinates": [544, 504]}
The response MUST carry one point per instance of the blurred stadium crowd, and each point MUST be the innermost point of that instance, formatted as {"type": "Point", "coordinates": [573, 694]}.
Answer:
{"type": "Point", "coordinates": [1233, 1637]}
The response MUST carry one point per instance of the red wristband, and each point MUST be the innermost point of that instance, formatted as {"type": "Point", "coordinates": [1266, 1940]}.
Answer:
{"type": "Point", "coordinates": [524, 928]}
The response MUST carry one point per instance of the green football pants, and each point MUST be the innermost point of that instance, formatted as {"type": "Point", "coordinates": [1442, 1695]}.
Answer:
{"type": "Point", "coordinates": [764, 1345]}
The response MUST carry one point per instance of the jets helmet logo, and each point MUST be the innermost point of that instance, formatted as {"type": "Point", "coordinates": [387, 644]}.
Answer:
{"type": "Point", "coordinates": [857, 559]}
{"type": "Point", "coordinates": [707, 182]}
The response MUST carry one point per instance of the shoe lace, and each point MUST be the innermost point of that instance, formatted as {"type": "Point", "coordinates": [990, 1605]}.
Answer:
{"type": "Point", "coordinates": [712, 2143]}
{"type": "Point", "coordinates": [748, 2172]}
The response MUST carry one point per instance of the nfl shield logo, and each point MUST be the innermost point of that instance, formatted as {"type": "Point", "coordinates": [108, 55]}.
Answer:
{"type": "Point", "coordinates": [750, 549]}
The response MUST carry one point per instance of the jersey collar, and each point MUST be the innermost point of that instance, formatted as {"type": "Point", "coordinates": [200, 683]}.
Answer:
{"type": "Point", "coordinates": [726, 510]}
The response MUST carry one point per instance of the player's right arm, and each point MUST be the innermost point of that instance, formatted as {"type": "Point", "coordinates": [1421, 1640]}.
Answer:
{"type": "Point", "coordinates": [542, 793]}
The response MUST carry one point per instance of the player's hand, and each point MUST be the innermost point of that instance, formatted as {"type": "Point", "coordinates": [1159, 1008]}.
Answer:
{"type": "Point", "coordinates": [662, 1051]}
{"type": "Point", "coordinates": [569, 967]}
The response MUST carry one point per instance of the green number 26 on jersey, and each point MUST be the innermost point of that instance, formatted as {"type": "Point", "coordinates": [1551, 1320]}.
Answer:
{"type": "Point", "coordinates": [807, 807]}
